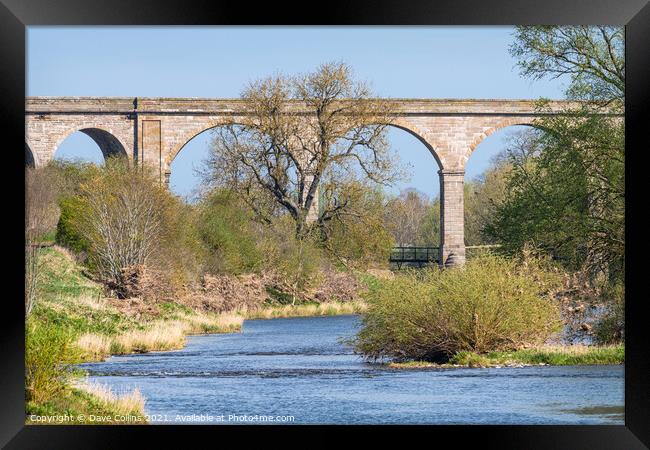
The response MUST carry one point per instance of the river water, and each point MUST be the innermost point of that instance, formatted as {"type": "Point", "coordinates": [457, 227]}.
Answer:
{"type": "Point", "coordinates": [299, 367]}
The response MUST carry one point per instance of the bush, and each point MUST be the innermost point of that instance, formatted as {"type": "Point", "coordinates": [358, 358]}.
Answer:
{"type": "Point", "coordinates": [67, 232]}
{"type": "Point", "coordinates": [490, 304]}
{"type": "Point", "coordinates": [45, 188]}
{"type": "Point", "coordinates": [179, 258]}
{"type": "Point", "coordinates": [610, 328]}
{"type": "Point", "coordinates": [120, 213]}
{"type": "Point", "coordinates": [296, 261]}
{"type": "Point", "coordinates": [40, 203]}
{"type": "Point", "coordinates": [48, 355]}
{"type": "Point", "coordinates": [357, 236]}
{"type": "Point", "coordinates": [71, 174]}
{"type": "Point", "coordinates": [226, 229]}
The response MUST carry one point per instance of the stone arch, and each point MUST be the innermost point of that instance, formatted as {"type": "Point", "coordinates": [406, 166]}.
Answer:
{"type": "Point", "coordinates": [525, 121]}
{"type": "Point", "coordinates": [30, 157]}
{"type": "Point", "coordinates": [504, 123]}
{"type": "Point", "coordinates": [186, 137]}
{"type": "Point", "coordinates": [109, 144]}
{"type": "Point", "coordinates": [419, 135]}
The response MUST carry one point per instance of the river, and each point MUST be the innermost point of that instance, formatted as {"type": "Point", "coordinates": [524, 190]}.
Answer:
{"type": "Point", "coordinates": [298, 371]}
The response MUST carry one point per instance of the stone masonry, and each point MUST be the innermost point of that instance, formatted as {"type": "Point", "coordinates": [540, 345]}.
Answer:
{"type": "Point", "coordinates": [154, 130]}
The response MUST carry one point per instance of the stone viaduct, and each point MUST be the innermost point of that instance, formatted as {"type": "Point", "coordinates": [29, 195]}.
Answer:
{"type": "Point", "coordinates": [154, 130]}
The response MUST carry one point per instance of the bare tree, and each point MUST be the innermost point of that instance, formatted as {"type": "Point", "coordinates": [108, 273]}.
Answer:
{"type": "Point", "coordinates": [406, 215]}
{"type": "Point", "coordinates": [122, 214]}
{"type": "Point", "coordinates": [32, 274]}
{"type": "Point", "coordinates": [41, 195]}
{"type": "Point", "coordinates": [41, 213]}
{"type": "Point", "coordinates": [298, 131]}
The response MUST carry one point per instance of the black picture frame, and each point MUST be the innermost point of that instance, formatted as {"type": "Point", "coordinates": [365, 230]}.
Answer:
{"type": "Point", "coordinates": [15, 15]}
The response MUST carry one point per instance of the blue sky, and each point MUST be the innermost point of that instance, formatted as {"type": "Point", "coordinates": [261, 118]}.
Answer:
{"type": "Point", "coordinates": [401, 62]}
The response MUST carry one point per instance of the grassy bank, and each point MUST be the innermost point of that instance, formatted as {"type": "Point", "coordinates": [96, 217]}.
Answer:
{"type": "Point", "coordinates": [74, 322]}
{"type": "Point", "coordinates": [567, 355]}
{"type": "Point", "coordinates": [103, 326]}
{"type": "Point", "coordinates": [88, 404]}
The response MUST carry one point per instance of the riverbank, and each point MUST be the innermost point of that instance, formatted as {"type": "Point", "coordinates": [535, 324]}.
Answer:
{"type": "Point", "coordinates": [555, 355]}
{"type": "Point", "coordinates": [303, 369]}
{"type": "Point", "coordinates": [98, 327]}
{"type": "Point", "coordinates": [82, 404]}
{"type": "Point", "coordinates": [102, 326]}
{"type": "Point", "coordinates": [92, 327]}
{"type": "Point", "coordinates": [170, 333]}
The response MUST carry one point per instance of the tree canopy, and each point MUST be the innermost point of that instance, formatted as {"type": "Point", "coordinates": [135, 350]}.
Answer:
{"type": "Point", "coordinates": [277, 160]}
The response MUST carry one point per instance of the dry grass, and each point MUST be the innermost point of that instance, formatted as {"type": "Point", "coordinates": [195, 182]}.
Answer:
{"type": "Point", "coordinates": [320, 309]}
{"type": "Point", "coordinates": [68, 254]}
{"type": "Point", "coordinates": [161, 335]}
{"type": "Point", "coordinates": [382, 274]}
{"type": "Point", "coordinates": [94, 302]}
{"type": "Point", "coordinates": [94, 346]}
{"type": "Point", "coordinates": [127, 403]}
{"type": "Point", "coordinates": [164, 335]}
{"type": "Point", "coordinates": [212, 323]}
{"type": "Point", "coordinates": [574, 349]}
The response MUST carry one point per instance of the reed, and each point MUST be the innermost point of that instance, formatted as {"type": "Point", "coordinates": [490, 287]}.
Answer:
{"type": "Point", "coordinates": [161, 335]}
{"type": "Point", "coordinates": [304, 310]}
{"type": "Point", "coordinates": [127, 403]}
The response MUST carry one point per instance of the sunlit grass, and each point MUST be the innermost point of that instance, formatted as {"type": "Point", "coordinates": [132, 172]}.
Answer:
{"type": "Point", "coordinates": [552, 355]}
{"type": "Point", "coordinates": [565, 355]}
{"type": "Point", "coordinates": [88, 404]}
{"type": "Point", "coordinates": [305, 310]}
{"type": "Point", "coordinates": [127, 403]}
{"type": "Point", "coordinates": [160, 335]}
{"type": "Point", "coordinates": [212, 323]}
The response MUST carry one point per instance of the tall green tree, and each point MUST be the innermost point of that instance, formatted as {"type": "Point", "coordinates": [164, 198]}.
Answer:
{"type": "Point", "coordinates": [593, 57]}
{"type": "Point", "coordinates": [567, 187]}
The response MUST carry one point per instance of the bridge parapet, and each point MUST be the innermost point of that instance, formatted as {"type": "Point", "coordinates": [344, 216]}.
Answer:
{"type": "Point", "coordinates": [405, 106]}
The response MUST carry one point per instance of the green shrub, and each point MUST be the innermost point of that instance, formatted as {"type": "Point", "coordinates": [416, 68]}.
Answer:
{"type": "Point", "coordinates": [296, 261]}
{"type": "Point", "coordinates": [71, 174]}
{"type": "Point", "coordinates": [276, 297]}
{"type": "Point", "coordinates": [118, 213]}
{"type": "Point", "coordinates": [225, 227]}
{"type": "Point", "coordinates": [610, 328]}
{"type": "Point", "coordinates": [67, 232]}
{"type": "Point", "coordinates": [357, 236]}
{"type": "Point", "coordinates": [49, 352]}
{"type": "Point", "coordinates": [490, 304]}
{"type": "Point", "coordinates": [180, 255]}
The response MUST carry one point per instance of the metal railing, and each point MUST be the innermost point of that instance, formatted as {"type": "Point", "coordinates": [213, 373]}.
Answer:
{"type": "Point", "coordinates": [414, 255]}
{"type": "Point", "coordinates": [420, 256]}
